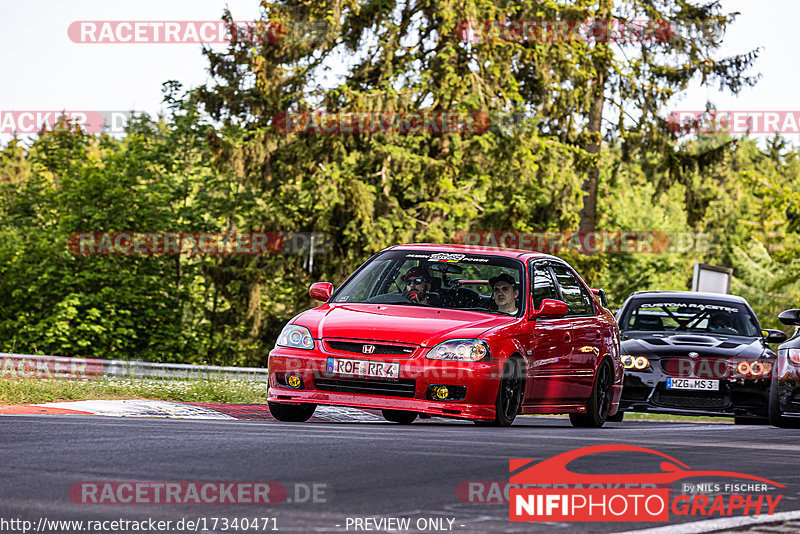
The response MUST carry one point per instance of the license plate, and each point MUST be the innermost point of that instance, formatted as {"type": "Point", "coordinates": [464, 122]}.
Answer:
{"type": "Point", "coordinates": [693, 383]}
{"type": "Point", "coordinates": [363, 368]}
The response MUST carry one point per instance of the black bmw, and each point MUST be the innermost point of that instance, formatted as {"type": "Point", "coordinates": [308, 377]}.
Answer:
{"type": "Point", "coordinates": [693, 353]}
{"type": "Point", "coordinates": [784, 396]}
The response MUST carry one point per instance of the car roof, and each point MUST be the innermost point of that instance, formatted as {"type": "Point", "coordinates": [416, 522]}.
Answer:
{"type": "Point", "coordinates": [699, 295]}
{"type": "Point", "coordinates": [495, 251]}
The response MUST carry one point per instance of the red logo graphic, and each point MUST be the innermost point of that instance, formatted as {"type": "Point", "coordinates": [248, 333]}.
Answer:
{"type": "Point", "coordinates": [621, 503]}
{"type": "Point", "coordinates": [734, 122]}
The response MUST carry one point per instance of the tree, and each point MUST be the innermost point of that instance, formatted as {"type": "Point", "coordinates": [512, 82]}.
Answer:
{"type": "Point", "coordinates": [640, 56]}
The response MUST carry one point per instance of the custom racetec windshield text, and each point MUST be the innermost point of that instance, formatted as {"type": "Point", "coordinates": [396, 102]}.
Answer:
{"type": "Point", "coordinates": [679, 315]}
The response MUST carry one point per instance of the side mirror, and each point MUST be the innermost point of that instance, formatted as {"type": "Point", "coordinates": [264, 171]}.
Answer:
{"type": "Point", "coordinates": [550, 309]}
{"type": "Point", "coordinates": [321, 291]}
{"type": "Point", "coordinates": [774, 336]}
{"type": "Point", "coordinates": [790, 317]}
{"type": "Point", "coordinates": [602, 296]}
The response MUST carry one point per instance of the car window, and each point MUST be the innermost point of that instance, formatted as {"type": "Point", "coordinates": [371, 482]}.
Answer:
{"type": "Point", "coordinates": [435, 279]}
{"type": "Point", "coordinates": [575, 295]}
{"type": "Point", "coordinates": [543, 285]}
{"type": "Point", "coordinates": [657, 314]}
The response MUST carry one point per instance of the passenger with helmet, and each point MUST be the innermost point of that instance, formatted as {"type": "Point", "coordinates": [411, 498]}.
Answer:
{"type": "Point", "coordinates": [720, 322]}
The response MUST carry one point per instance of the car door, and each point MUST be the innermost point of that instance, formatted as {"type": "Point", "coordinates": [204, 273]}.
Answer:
{"type": "Point", "coordinates": [586, 331]}
{"type": "Point", "coordinates": [549, 368]}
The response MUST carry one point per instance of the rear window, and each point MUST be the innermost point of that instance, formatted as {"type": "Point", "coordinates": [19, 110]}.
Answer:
{"type": "Point", "coordinates": [687, 315]}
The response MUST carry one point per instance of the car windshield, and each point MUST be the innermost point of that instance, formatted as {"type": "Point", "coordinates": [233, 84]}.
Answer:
{"type": "Point", "coordinates": [438, 279]}
{"type": "Point", "coordinates": [677, 315]}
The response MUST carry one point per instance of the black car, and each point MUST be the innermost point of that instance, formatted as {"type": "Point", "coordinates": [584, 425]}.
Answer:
{"type": "Point", "coordinates": [692, 353]}
{"type": "Point", "coordinates": [784, 395]}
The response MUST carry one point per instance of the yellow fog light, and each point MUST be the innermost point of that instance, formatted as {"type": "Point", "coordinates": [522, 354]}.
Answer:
{"type": "Point", "coordinates": [640, 362]}
{"type": "Point", "coordinates": [441, 392]}
{"type": "Point", "coordinates": [294, 381]}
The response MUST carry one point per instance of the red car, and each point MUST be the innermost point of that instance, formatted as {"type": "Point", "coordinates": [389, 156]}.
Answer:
{"type": "Point", "coordinates": [456, 331]}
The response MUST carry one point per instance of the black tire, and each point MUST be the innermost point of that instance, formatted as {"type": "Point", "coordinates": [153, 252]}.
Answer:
{"type": "Point", "coordinates": [616, 418]}
{"type": "Point", "coordinates": [776, 417]}
{"type": "Point", "coordinates": [399, 416]}
{"type": "Point", "coordinates": [599, 401]}
{"type": "Point", "coordinates": [509, 395]}
{"type": "Point", "coordinates": [291, 413]}
{"type": "Point", "coordinates": [742, 420]}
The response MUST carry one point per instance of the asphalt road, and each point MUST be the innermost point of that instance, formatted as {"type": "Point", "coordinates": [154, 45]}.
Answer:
{"type": "Point", "coordinates": [363, 470]}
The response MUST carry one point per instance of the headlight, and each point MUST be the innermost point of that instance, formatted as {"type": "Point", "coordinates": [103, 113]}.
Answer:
{"type": "Point", "coordinates": [634, 362]}
{"type": "Point", "coordinates": [794, 356]}
{"type": "Point", "coordinates": [753, 368]}
{"type": "Point", "coordinates": [464, 350]}
{"type": "Point", "coordinates": [297, 337]}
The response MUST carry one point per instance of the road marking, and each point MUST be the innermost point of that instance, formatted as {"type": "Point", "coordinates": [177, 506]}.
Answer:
{"type": "Point", "coordinates": [138, 408]}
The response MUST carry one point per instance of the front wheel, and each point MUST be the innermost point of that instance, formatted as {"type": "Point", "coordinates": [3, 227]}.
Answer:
{"type": "Point", "coordinates": [776, 417]}
{"type": "Point", "coordinates": [599, 402]}
{"type": "Point", "coordinates": [399, 416]}
{"type": "Point", "coordinates": [509, 395]}
{"type": "Point", "coordinates": [291, 413]}
{"type": "Point", "coordinates": [741, 420]}
{"type": "Point", "coordinates": [616, 418]}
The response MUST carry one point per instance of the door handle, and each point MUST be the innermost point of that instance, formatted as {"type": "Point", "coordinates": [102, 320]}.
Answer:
{"type": "Point", "coordinates": [567, 337]}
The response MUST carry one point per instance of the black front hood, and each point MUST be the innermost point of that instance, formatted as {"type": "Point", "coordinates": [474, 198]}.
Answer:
{"type": "Point", "coordinates": [661, 344]}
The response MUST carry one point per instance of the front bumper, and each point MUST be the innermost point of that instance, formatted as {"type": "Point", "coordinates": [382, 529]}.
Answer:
{"type": "Point", "coordinates": [647, 392]}
{"type": "Point", "coordinates": [409, 392]}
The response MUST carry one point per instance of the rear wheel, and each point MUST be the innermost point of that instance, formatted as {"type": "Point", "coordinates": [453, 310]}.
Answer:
{"type": "Point", "coordinates": [776, 417]}
{"type": "Point", "coordinates": [292, 413]}
{"type": "Point", "coordinates": [399, 416]}
{"type": "Point", "coordinates": [509, 395]}
{"type": "Point", "coordinates": [599, 402]}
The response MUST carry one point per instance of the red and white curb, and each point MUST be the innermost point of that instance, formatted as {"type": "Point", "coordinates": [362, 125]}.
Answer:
{"type": "Point", "coordinates": [181, 410]}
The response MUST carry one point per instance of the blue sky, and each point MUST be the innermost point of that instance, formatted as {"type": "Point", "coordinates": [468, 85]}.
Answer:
{"type": "Point", "coordinates": [43, 70]}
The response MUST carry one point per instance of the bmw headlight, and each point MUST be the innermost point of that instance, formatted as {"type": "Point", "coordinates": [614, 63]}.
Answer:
{"type": "Point", "coordinates": [296, 337]}
{"type": "Point", "coordinates": [634, 362]}
{"type": "Point", "coordinates": [464, 350]}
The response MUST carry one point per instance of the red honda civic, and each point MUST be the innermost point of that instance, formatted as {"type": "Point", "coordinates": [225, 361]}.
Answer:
{"type": "Point", "coordinates": [467, 332]}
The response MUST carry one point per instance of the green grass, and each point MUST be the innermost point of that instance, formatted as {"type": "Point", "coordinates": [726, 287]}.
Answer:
{"type": "Point", "coordinates": [25, 391]}
{"type": "Point", "coordinates": [637, 416]}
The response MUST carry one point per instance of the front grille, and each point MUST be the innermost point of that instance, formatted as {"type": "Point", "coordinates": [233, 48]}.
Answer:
{"type": "Point", "coordinates": [690, 399]}
{"type": "Point", "coordinates": [380, 348]}
{"type": "Point", "coordinates": [396, 388]}
{"type": "Point", "coordinates": [701, 367]}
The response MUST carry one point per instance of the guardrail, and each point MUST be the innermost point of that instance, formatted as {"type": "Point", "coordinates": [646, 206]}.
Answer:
{"type": "Point", "coordinates": [39, 366]}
